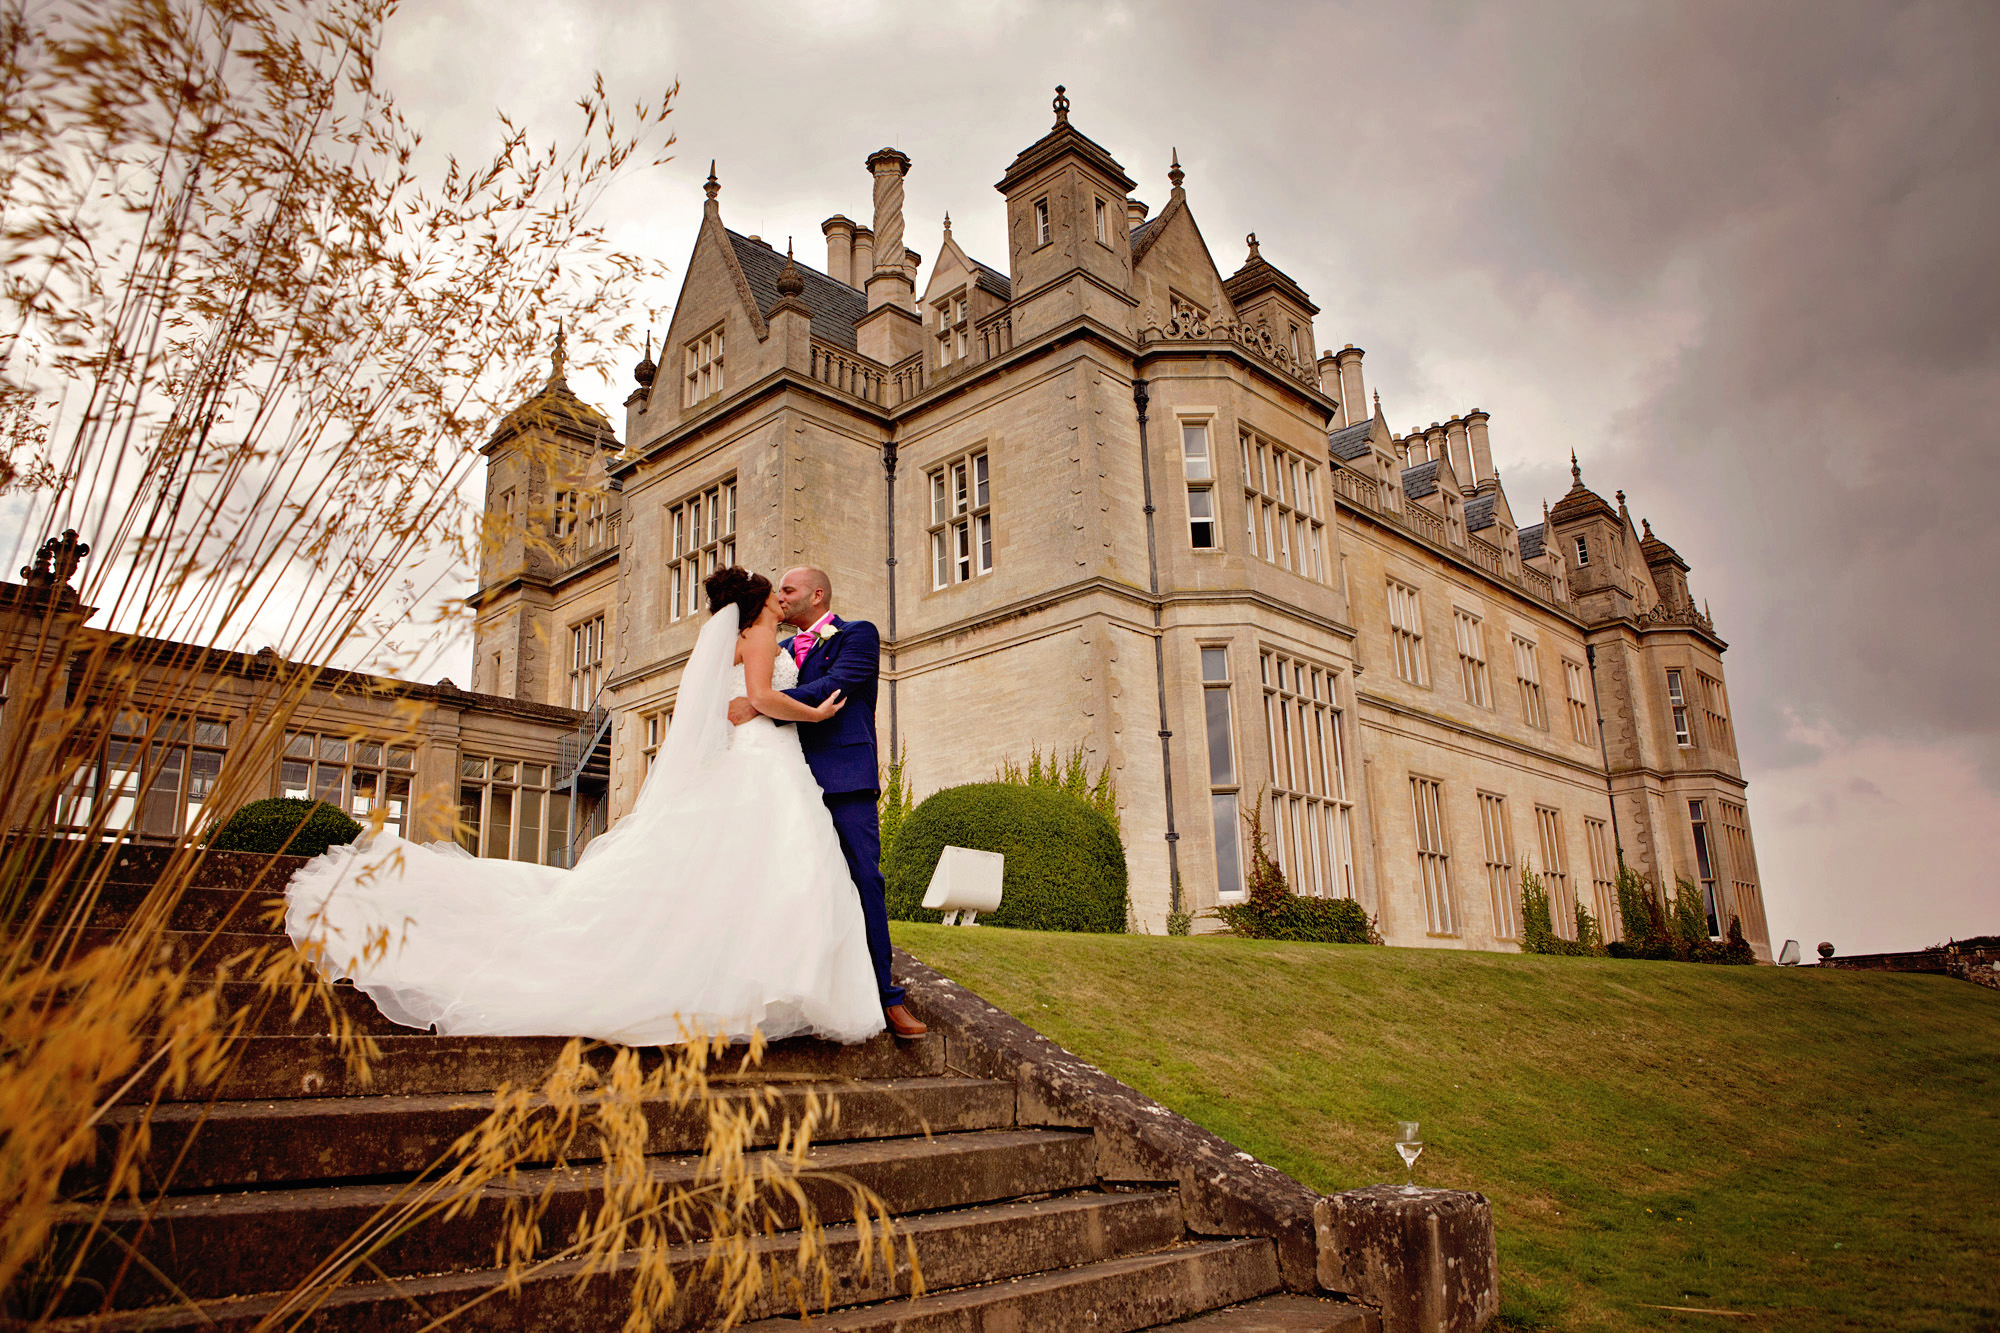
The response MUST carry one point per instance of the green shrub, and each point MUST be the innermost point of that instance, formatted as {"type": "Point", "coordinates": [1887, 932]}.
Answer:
{"type": "Point", "coordinates": [1675, 931]}
{"type": "Point", "coordinates": [1644, 932]}
{"type": "Point", "coordinates": [1271, 911]}
{"type": "Point", "coordinates": [894, 806]}
{"type": "Point", "coordinates": [1538, 923]}
{"type": "Point", "coordinates": [284, 824]}
{"type": "Point", "coordinates": [1065, 865]}
{"type": "Point", "coordinates": [1070, 774]}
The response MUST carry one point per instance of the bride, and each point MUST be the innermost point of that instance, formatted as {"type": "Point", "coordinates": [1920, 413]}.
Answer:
{"type": "Point", "coordinates": [720, 905]}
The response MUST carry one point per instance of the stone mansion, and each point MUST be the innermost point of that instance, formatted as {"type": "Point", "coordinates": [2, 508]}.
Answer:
{"type": "Point", "coordinates": [1100, 494]}
{"type": "Point", "coordinates": [1103, 493]}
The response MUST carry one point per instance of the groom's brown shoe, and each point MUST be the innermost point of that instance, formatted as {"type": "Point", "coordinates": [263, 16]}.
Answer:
{"type": "Point", "coordinates": [904, 1023]}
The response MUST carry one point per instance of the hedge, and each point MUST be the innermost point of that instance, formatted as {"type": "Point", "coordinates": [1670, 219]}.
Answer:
{"type": "Point", "coordinates": [1065, 865]}
{"type": "Point", "coordinates": [284, 824]}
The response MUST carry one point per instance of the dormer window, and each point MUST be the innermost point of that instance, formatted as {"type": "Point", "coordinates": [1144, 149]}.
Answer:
{"type": "Point", "coordinates": [1041, 223]}
{"type": "Point", "coordinates": [954, 332]}
{"type": "Point", "coordinates": [704, 366]}
{"type": "Point", "coordinates": [1582, 552]}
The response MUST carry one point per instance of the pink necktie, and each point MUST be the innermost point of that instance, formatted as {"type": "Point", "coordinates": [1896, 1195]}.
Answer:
{"type": "Point", "coordinates": [802, 646]}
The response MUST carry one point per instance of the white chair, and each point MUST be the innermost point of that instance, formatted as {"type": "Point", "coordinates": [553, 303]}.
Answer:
{"type": "Point", "coordinates": [965, 883]}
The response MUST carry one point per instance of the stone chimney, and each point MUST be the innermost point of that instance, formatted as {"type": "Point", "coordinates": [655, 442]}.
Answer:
{"type": "Point", "coordinates": [1135, 213]}
{"type": "Point", "coordinates": [1434, 440]}
{"type": "Point", "coordinates": [864, 256]}
{"type": "Point", "coordinates": [1482, 450]}
{"type": "Point", "coordinates": [1461, 457]}
{"type": "Point", "coordinates": [839, 248]}
{"type": "Point", "coordinates": [1350, 390]}
{"type": "Point", "coordinates": [890, 282]}
{"type": "Point", "coordinates": [1329, 384]}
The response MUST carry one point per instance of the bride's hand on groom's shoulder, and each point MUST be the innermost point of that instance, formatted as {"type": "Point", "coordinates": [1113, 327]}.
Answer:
{"type": "Point", "coordinates": [834, 703]}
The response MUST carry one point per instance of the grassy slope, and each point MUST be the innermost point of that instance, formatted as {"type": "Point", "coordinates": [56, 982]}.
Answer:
{"type": "Point", "coordinates": [1820, 1147]}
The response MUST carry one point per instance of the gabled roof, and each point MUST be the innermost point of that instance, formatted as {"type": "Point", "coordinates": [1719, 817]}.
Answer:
{"type": "Point", "coordinates": [1350, 442]}
{"type": "Point", "coordinates": [836, 307]}
{"type": "Point", "coordinates": [1581, 502]}
{"type": "Point", "coordinates": [1139, 232]}
{"type": "Point", "coordinates": [1063, 138]}
{"type": "Point", "coordinates": [1531, 542]}
{"type": "Point", "coordinates": [1421, 480]}
{"type": "Point", "coordinates": [1479, 512]}
{"type": "Point", "coordinates": [992, 280]}
{"type": "Point", "coordinates": [1259, 275]}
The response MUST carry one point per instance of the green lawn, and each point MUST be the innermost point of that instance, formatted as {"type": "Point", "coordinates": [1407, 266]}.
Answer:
{"type": "Point", "coordinates": [1818, 1148]}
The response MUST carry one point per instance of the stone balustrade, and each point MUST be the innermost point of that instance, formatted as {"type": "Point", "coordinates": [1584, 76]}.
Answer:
{"type": "Point", "coordinates": [1362, 492]}
{"type": "Point", "coordinates": [849, 372]}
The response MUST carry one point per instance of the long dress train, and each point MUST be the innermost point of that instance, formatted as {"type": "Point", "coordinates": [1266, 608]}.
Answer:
{"type": "Point", "coordinates": [720, 904]}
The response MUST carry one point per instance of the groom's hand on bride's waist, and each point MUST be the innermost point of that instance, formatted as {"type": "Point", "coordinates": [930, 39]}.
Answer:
{"type": "Point", "coordinates": [741, 710]}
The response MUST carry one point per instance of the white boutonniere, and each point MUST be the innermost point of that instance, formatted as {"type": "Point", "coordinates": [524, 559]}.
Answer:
{"type": "Point", "coordinates": [827, 633]}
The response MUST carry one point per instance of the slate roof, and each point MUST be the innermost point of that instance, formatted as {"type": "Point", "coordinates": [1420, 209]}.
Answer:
{"type": "Point", "coordinates": [1581, 502]}
{"type": "Point", "coordinates": [836, 307]}
{"type": "Point", "coordinates": [1657, 552]}
{"type": "Point", "coordinates": [1421, 480]}
{"type": "Point", "coordinates": [992, 280]}
{"type": "Point", "coordinates": [1349, 442]}
{"type": "Point", "coordinates": [1531, 542]}
{"type": "Point", "coordinates": [1139, 232]}
{"type": "Point", "coordinates": [555, 407]}
{"type": "Point", "coordinates": [1479, 512]}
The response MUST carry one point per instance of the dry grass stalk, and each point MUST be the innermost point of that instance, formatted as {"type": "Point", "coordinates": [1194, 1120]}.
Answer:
{"type": "Point", "coordinates": [248, 353]}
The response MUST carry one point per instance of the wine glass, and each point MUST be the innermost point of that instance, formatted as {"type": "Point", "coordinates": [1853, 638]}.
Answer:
{"type": "Point", "coordinates": [1408, 1146]}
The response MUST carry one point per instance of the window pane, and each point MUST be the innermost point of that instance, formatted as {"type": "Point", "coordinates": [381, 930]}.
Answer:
{"type": "Point", "coordinates": [503, 771]}
{"type": "Point", "coordinates": [294, 779]}
{"type": "Point", "coordinates": [298, 745]}
{"type": "Point", "coordinates": [1201, 505]}
{"type": "Point", "coordinates": [535, 775]}
{"type": "Point", "coordinates": [469, 799]}
{"type": "Point", "coordinates": [368, 753]}
{"type": "Point", "coordinates": [499, 821]}
{"type": "Point", "coordinates": [161, 810]}
{"type": "Point", "coordinates": [1194, 452]}
{"type": "Point", "coordinates": [362, 799]}
{"type": "Point", "coordinates": [204, 771]}
{"type": "Point", "coordinates": [333, 749]}
{"type": "Point", "coordinates": [938, 510]}
{"type": "Point", "coordinates": [985, 542]}
{"type": "Point", "coordinates": [528, 837]}
{"type": "Point", "coordinates": [1228, 860]}
{"type": "Point", "coordinates": [981, 495]}
{"type": "Point", "coordinates": [471, 767]}
{"type": "Point", "coordinates": [1215, 664]}
{"type": "Point", "coordinates": [1221, 752]}
{"type": "Point", "coordinates": [558, 837]}
{"type": "Point", "coordinates": [211, 733]}
{"type": "Point", "coordinates": [399, 757]}
{"type": "Point", "coordinates": [329, 782]}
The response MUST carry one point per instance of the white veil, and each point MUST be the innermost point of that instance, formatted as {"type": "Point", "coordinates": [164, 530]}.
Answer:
{"type": "Point", "coordinates": [699, 731]}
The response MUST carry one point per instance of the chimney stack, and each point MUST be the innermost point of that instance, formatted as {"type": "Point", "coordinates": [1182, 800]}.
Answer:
{"type": "Point", "coordinates": [1434, 440]}
{"type": "Point", "coordinates": [1135, 213]}
{"type": "Point", "coordinates": [890, 282]}
{"type": "Point", "coordinates": [1329, 384]}
{"type": "Point", "coordinates": [1461, 458]}
{"type": "Point", "coordinates": [1482, 449]}
{"type": "Point", "coordinates": [1351, 392]}
{"type": "Point", "coordinates": [839, 248]}
{"type": "Point", "coordinates": [864, 256]}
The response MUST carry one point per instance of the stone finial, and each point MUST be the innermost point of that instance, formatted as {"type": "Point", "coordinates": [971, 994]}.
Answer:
{"type": "Point", "coordinates": [947, 224]}
{"type": "Point", "coordinates": [714, 186]}
{"type": "Point", "coordinates": [559, 358]}
{"type": "Point", "coordinates": [790, 282]}
{"type": "Point", "coordinates": [1646, 523]}
{"type": "Point", "coordinates": [1378, 397]}
{"type": "Point", "coordinates": [1621, 507]}
{"type": "Point", "coordinates": [56, 561]}
{"type": "Point", "coordinates": [1575, 470]}
{"type": "Point", "coordinates": [1174, 173]}
{"type": "Point", "coordinates": [1061, 106]}
{"type": "Point", "coordinates": [645, 371]}
{"type": "Point", "coordinates": [1251, 241]}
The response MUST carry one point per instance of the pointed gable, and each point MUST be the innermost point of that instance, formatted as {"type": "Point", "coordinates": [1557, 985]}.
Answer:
{"type": "Point", "coordinates": [836, 307]}
{"type": "Point", "coordinates": [1171, 259]}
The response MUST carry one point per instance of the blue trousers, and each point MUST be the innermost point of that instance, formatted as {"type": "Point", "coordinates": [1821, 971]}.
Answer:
{"type": "Point", "coordinates": [858, 822]}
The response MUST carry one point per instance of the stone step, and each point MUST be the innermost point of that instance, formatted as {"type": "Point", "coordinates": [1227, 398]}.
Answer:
{"type": "Point", "coordinates": [213, 1245]}
{"type": "Point", "coordinates": [133, 872]}
{"type": "Point", "coordinates": [197, 1146]}
{"type": "Point", "coordinates": [249, 911]}
{"type": "Point", "coordinates": [956, 1248]}
{"type": "Point", "coordinates": [1109, 1296]}
{"type": "Point", "coordinates": [1286, 1314]}
{"type": "Point", "coordinates": [275, 1068]}
{"type": "Point", "coordinates": [200, 954]}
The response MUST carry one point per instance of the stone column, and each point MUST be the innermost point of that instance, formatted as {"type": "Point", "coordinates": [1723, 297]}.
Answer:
{"type": "Point", "coordinates": [1482, 449]}
{"type": "Point", "coordinates": [839, 248]}
{"type": "Point", "coordinates": [890, 283]}
{"type": "Point", "coordinates": [1461, 457]}
{"type": "Point", "coordinates": [1351, 391]}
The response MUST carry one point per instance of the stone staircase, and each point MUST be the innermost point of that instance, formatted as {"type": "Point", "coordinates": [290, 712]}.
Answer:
{"type": "Point", "coordinates": [1034, 1203]}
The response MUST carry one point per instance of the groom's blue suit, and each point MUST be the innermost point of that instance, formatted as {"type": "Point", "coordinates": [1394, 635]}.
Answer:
{"type": "Point", "coordinates": [841, 753]}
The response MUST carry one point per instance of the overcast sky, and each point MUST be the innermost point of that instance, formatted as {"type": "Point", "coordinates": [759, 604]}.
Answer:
{"type": "Point", "coordinates": [1740, 257]}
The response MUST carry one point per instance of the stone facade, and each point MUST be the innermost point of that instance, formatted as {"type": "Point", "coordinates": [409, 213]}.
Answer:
{"type": "Point", "coordinates": [1109, 496]}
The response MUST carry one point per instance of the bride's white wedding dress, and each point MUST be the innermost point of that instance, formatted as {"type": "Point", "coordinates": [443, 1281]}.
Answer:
{"type": "Point", "coordinates": [720, 904]}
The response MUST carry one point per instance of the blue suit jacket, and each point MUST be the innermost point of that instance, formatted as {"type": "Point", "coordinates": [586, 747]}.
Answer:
{"type": "Point", "coordinates": [841, 750]}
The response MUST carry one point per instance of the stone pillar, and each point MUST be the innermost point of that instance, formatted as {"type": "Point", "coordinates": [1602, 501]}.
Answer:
{"type": "Point", "coordinates": [1482, 449]}
{"type": "Point", "coordinates": [1351, 392]}
{"type": "Point", "coordinates": [1426, 1258]}
{"type": "Point", "coordinates": [1461, 457]}
{"type": "Point", "coordinates": [1329, 384]}
{"type": "Point", "coordinates": [864, 256]}
{"type": "Point", "coordinates": [839, 248]}
{"type": "Point", "coordinates": [1434, 441]}
{"type": "Point", "coordinates": [890, 283]}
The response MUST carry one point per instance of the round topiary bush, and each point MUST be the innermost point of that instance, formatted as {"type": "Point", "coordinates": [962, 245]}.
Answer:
{"type": "Point", "coordinates": [1065, 865]}
{"type": "Point", "coordinates": [284, 824]}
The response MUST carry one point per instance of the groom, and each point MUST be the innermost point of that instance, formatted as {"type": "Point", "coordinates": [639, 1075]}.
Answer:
{"type": "Point", "coordinates": [844, 655]}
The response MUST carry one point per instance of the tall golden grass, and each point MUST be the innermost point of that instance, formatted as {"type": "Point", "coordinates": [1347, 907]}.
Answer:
{"type": "Point", "coordinates": [247, 350]}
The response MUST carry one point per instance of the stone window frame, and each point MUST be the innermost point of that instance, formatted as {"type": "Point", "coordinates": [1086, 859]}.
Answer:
{"type": "Point", "coordinates": [1225, 785]}
{"type": "Point", "coordinates": [954, 327]}
{"type": "Point", "coordinates": [1283, 521]}
{"type": "Point", "coordinates": [1528, 676]}
{"type": "Point", "coordinates": [1577, 692]}
{"type": "Point", "coordinates": [652, 734]}
{"type": "Point", "coordinates": [1045, 232]}
{"type": "Point", "coordinates": [1475, 679]}
{"type": "Point", "coordinates": [1101, 219]}
{"type": "Point", "coordinates": [1406, 632]}
{"type": "Point", "coordinates": [1715, 712]}
{"type": "Point", "coordinates": [703, 361]}
{"type": "Point", "coordinates": [1433, 850]}
{"type": "Point", "coordinates": [1582, 551]}
{"type": "Point", "coordinates": [356, 760]}
{"type": "Point", "coordinates": [489, 785]}
{"type": "Point", "coordinates": [1312, 801]}
{"type": "Point", "coordinates": [1735, 820]}
{"type": "Point", "coordinates": [1677, 707]}
{"type": "Point", "coordinates": [586, 661]}
{"type": "Point", "coordinates": [699, 534]}
{"type": "Point", "coordinates": [1555, 870]}
{"type": "Point", "coordinates": [158, 773]}
{"type": "Point", "coordinates": [1199, 476]}
{"type": "Point", "coordinates": [1708, 867]}
{"type": "Point", "coordinates": [1603, 877]}
{"type": "Point", "coordinates": [960, 531]}
{"type": "Point", "coordinates": [1497, 832]}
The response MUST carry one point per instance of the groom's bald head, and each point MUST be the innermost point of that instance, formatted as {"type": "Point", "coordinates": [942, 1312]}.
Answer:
{"type": "Point", "coordinates": [805, 594]}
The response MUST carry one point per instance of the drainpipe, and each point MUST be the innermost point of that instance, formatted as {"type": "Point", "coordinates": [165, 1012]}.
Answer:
{"type": "Point", "coordinates": [1597, 703]}
{"type": "Point", "coordinates": [889, 484]}
{"type": "Point", "coordinates": [1140, 399]}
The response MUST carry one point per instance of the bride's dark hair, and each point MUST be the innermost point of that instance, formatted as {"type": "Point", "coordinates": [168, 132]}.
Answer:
{"type": "Point", "coordinates": [733, 585]}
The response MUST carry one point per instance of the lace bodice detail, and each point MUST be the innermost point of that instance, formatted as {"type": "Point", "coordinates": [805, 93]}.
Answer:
{"type": "Point", "coordinates": [784, 674]}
